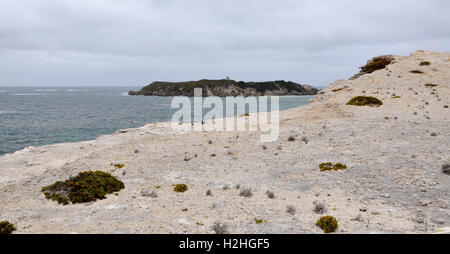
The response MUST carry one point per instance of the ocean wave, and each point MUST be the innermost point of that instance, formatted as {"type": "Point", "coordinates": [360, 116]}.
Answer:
{"type": "Point", "coordinates": [124, 94]}
{"type": "Point", "coordinates": [45, 90]}
{"type": "Point", "coordinates": [76, 90]}
{"type": "Point", "coordinates": [2, 91]}
{"type": "Point", "coordinates": [27, 94]}
{"type": "Point", "coordinates": [7, 112]}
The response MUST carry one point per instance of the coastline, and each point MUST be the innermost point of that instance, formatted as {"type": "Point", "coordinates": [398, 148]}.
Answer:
{"type": "Point", "coordinates": [393, 182]}
{"type": "Point", "coordinates": [76, 135]}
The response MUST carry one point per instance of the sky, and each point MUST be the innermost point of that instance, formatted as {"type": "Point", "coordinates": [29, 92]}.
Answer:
{"type": "Point", "coordinates": [134, 42]}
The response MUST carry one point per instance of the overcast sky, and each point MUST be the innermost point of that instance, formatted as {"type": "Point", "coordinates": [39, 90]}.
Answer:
{"type": "Point", "coordinates": [135, 42]}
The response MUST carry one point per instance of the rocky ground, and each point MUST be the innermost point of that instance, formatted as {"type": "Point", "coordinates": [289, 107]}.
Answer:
{"type": "Point", "coordinates": [393, 183]}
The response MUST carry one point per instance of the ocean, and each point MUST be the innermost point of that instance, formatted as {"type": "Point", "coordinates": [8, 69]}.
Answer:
{"type": "Point", "coordinates": [41, 116]}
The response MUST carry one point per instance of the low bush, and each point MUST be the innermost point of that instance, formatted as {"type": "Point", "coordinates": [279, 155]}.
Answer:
{"type": "Point", "coordinates": [416, 72]}
{"type": "Point", "coordinates": [431, 85]}
{"type": "Point", "coordinates": [446, 169]}
{"type": "Point", "coordinates": [328, 224]}
{"type": "Point", "coordinates": [270, 194]}
{"type": "Point", "coordinates": [365, 101]}
{"type": "Point", "coordinates": [328, 166]}
{"type": "Point", "coordinates": [180, 188]}
{"type": "Point", "coordinates": [220, 228]}
{"type": "Point", "coordinates": [85, 187]}
{"type": "Point", "coordinates": [258, 221]}
{"type": "Point", "coordinates": [119, 165]}
{"type": "Point", "coordinates": [246, 193]}
{"type": "Point", "coordinates": [6, 228]}
{"type": "Point", "coordinates": [291, 210]}
{"type": "Point", "coordinates": [425, 63]}
{"type": "Point", "coordinates": [319, 208]}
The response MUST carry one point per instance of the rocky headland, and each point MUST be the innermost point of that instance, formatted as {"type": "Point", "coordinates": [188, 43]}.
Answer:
{"type": "Point", "coordinates": [388, 160]}
{"type": "Point", "coordinates": [225, 87]}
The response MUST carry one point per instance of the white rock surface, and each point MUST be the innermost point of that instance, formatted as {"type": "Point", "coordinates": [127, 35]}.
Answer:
{"type": "Point", "coordinates": [393, 164]}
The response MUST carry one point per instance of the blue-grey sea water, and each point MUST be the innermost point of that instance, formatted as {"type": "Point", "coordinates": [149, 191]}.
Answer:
{"type": "Point", "coordinates": [41, 116]}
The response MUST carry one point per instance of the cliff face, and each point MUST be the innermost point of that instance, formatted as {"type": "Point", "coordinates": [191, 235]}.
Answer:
{"type": "Point", "coordinates": [226, 88]}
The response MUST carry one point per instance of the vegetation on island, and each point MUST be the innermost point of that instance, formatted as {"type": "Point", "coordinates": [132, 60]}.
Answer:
{"type": "Point", "coordinates": [225, 87]}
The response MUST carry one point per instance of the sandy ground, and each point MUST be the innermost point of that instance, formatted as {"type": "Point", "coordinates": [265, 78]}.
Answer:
{"type": "Point", "coordinates": [393, 183]}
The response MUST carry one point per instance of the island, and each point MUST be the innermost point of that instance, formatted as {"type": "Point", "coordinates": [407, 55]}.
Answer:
{"type": "Point", "coordinates": [226, 87]}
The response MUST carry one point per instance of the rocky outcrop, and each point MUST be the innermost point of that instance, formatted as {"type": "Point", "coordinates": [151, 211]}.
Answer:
{"type": "Point", "coordinates": [224, 88]}
{"type": "Point", "coordinates": [374, 64]}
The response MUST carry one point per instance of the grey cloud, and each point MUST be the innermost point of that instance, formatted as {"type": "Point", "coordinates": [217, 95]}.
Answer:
{"type": "Point", "coordinates": [106, 42]}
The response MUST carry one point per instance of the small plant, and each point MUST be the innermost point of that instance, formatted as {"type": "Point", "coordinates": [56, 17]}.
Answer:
{"type": "Point", "coordinates": [328, 166]}
{"type": "Point", "coordinates": [305, 139]}
{"type": "Point", "coordinates": [338, 89]}
{"type": "Point", "coordinates": [291, 139]}
{"type": "Point", "coordinates": [6, 228]}
{"type": "Point", "coordinates": [208, 193]}
{"type": "Point", "coordinates": [446, 169]}
{"type": "Point", "coordinates": [246, 193]}
{"type": "Point", "coordinates": [180, 188]}
{"type": "Point", "coordinates": [416, 72]}
{"type": "Point", "coordinates": [445, 106]}
{"type": "Point", "coordinates": [319, 208]}
{"type": "Point", "coordinates": [328, 224]}
{"type": "Point", "coordinates": [85, 187]}
{"type": "Point", "coordinates": [220, 228]}
{"type": "Point", "coordinates": [365, 101]}
{"type": "Point", "coordinates": [290, 210]}
{"type": "Point", "coordinates": [270, 194]}
{"type": "Point", "coordinates": [425, 63]}
{"type": "Point", "coordinates": [431, 85]}
{"type": "Point", "coordinates": [259, 221]}
{"type": "Point", "coordinates": [149, 194]}
{"type": "Point", "coordinates": [119, 165]}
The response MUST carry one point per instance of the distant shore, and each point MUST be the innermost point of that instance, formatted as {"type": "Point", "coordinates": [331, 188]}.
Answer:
{"type": "Point", "coordinates": [225, 87]}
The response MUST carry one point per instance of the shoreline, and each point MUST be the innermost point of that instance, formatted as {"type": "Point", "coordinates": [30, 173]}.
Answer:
{"type": "Point", "coordinates": [393, 182]}
{"type": "Point", "coordinates": [286, 96]}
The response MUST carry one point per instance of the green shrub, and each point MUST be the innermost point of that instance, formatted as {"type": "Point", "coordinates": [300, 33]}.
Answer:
{"type": "Point", "coordinates": [365, 101]}
{"type": "Point", "coordinates": [119, 165]}
{"type": "Point", "coordinates": [6, 228]}
{"type": "Point", "coordinates": [327, 223]}
{"type": "Point", "coordinates": [180, 188]}
{"type": "Point", "coordinates": [416, 72]}
{"type": "Point", "coordinates": [425, 63]}
{"type": "Point", "coordinates": [431, 85]}
{"type": "Point", "coordinates": [85, 187]}
{"type": "Point", "coordinates": [338, 89]}
{"type": "Point", "coordinates": [328, 166]}
{"type": "Point", "coordinates": [259, 221]}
